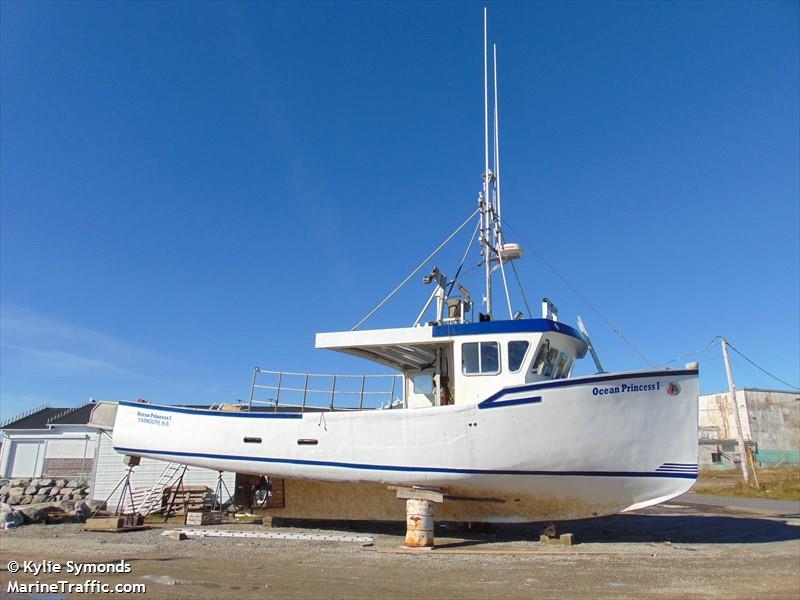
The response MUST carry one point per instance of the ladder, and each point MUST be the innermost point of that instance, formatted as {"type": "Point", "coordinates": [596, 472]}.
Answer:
{"type": "Point", "coordinates": [152, 498]}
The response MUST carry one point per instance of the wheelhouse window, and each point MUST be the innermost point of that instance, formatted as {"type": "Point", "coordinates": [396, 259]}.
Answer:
{"type": "Point", "coordinates": [516, 354]}
{"type": "Point", "coordinates": [537, 368]}
{"type": "Point", "coordinates": [480, 358]}
{"type": "Point", "coordinates": [551, 362]}
{"type": "Point", "coordinates": [560, 364]}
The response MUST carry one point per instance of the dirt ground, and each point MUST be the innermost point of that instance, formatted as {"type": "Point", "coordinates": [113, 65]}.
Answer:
{"type": "Point", "coordinates": [677, 550]}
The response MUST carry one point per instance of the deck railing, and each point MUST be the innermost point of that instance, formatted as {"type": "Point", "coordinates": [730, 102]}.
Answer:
{"type": "Point", "coordinates": [317, 391]}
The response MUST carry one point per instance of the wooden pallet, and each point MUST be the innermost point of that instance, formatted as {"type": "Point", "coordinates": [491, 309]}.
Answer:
{"type": "Point", "coordinates": [188, 497]}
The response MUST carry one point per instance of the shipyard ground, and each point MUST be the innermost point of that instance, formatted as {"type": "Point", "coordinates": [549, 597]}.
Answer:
{"type": "Point", "coordinates": [695, 547]}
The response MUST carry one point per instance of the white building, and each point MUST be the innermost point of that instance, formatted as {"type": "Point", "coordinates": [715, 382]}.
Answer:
{"type": "Point", "coordinates": [57, 443]}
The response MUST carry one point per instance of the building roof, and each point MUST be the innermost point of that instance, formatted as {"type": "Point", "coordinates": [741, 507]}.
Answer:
{"type": "Point", "coordinates": [74, 416]}
{"type": "Point", "coordinates": [44, 417]}
{"type": "Point", "coordinates": [751, 389]}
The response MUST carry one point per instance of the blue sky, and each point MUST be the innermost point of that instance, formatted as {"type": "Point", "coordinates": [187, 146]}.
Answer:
{"type": "Point", "coordinates": [192, 189]}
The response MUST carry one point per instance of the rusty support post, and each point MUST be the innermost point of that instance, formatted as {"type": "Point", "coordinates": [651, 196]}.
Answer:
{"type": "Point", "coordinates": [419, 523]}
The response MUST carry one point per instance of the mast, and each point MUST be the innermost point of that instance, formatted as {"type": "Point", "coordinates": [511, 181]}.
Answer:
{"type": "Point", "coordinates": [486, 230]}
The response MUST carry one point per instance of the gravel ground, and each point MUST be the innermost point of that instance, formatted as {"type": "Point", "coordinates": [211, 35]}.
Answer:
{"type": "Point", "coordinates": [671, 551]}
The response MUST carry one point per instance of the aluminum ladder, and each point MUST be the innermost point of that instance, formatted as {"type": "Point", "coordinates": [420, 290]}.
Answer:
{"type": "Point", "coordinates": [152, 499]}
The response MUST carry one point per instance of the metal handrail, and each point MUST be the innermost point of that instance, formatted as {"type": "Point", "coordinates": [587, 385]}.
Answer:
{"type": "Point", "coordinates": [331, 391]}
{"type": "Point", "coordinates": [339, 375]}
{"type": "Point", "coordinates": [328, 391]}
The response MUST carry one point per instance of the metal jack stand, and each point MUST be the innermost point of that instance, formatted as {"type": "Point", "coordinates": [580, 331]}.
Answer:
{"type": "Point", "coordinates": [119, 519]}
{"type": "Point", "coordinates": [174, 495]}
{"type": "Point", "coordinates": [221, 485]}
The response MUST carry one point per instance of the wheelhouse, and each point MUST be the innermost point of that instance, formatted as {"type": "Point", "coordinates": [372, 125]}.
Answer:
{"type": "Point", "coordinates": [464, 363]}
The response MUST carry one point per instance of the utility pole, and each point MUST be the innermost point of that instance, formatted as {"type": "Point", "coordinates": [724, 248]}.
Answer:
{"type": "Point", "coordinates": [744, 454]}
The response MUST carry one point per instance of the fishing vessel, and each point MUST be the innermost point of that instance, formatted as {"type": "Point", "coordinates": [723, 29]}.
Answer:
{"type": "Point", "coordinates": [482, 407]}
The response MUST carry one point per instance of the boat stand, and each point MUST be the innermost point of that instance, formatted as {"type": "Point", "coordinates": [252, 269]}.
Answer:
{"type": "Point", "coordinates": [419, 514]}
{"type": "Point", "coordinates": [119, 519]}
{"type": "Point", "coordinates": [217, 501]}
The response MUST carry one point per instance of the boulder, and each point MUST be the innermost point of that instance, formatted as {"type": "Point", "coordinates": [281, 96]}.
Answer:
{"type": "Point", "coordinates": [3, 497]}
{"type": "Point", "coordinates": [54, 491]}
{"type": "Point", "coordinates": [17, 490]}
{"type": "Point", "coordinates": [60, 483]}
{"type": "Point", "coordinates": [40, 498]}
{"type": "Point", "coordinates": [10, 518]}
{"type": "Point", "coordinates": [73, 484]}
{"type": "Point", "coordinates": [20, 482]}
{"type": "Point", "coordinates": [5, 489]}
{"type": "Point", "coordinates": [45, 491]}
{"type": "Point", "coordinates": [82, 511]}
{"type": "Point", "coordinates": [32, 514]}
{"type": "Point", "coordinates": [13, 500]}
{"type": "Point", "coordinates": [25, 500]}
{"type": "Point", "coordinates": [31, 490]}
{"type": "Point", "coordinates": [44, 482]}
{"type": "Point", "coordinates": [96, 504]}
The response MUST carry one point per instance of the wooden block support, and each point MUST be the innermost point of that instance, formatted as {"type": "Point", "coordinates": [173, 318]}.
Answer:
{"type": "Point", "coordinates": [565, 539]}
{"type": "Point", "coordinates": [203, 517]}
{"type": "Point", "coordinates": [406, 493]}
{"type": "Point", "coordinates": [118, 522]}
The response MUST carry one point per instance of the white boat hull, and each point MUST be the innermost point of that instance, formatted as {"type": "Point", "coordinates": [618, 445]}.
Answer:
{"type": "Point", "coordinates": [563, 449]}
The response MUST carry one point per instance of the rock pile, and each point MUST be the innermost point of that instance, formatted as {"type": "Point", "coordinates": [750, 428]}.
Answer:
{"type": "Point", "coordinates": [45, 501]}
{"type": "Point", "coordinates": [19, 492]}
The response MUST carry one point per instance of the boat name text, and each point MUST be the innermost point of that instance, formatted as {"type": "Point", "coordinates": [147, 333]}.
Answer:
{"type": "Point", "coordinates": [152, 418]}
{"type": "Point", "coordinates": [625, 388]}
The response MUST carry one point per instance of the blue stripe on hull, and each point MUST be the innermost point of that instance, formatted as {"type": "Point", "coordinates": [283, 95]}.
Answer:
{"type": "Point", "coordinates": [516, 401]}
{"type": "Point", "coordinates": [398, 468]}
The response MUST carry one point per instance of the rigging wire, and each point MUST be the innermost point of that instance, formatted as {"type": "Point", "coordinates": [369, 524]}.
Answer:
{"type": "Point", "coordinates": [581, 296]}
{"type": "Point", "coordinates": [464, 258]}
{"type": "Point", "coordinates": [521, 290]}
{"type": "Point", "coordinates": [414, 272]}
{"type": "Point", "coordinates": [776, 378]}
{"type": "Point", "coordinates": [708, 346]}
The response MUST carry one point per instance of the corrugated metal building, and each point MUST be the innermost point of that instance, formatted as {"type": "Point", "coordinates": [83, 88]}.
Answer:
{"type": "Point", "coordinates": [770, 421]}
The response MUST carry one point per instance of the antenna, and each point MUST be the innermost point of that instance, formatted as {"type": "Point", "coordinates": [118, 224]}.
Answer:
{"type": "Point", "coordinates": [496, 137]}
{"type": "Point", "coordinates": [485, 208]}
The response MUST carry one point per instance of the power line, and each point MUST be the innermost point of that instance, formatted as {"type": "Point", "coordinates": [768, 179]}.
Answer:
{"type": "Point", "coordinates": [708, 346]}
{"type": "Point", "coordinates": [776, 378]}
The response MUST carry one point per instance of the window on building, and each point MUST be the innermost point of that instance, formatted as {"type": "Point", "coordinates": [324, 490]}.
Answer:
{"type": "Point", "coordinates": [516, 354]}
{"type": "Point", "coordinates": [480, 358]}
{"type": "Point", "coordinates": [716, 457]}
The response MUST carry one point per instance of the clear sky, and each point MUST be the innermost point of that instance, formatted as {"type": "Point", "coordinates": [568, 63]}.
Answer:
{"type": "Point", "coordinates": [192, 189]}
